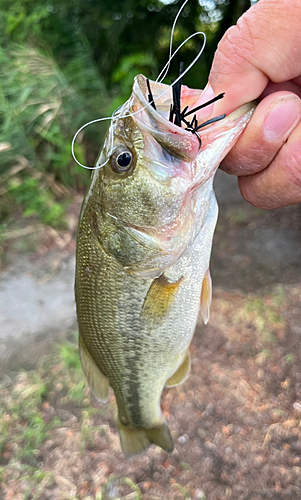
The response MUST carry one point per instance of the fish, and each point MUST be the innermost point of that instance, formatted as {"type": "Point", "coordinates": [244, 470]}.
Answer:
{"type": "Point", "coordinates": [143, 249]}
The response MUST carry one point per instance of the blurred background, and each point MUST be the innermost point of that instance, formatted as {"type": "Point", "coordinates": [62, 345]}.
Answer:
{"type": "Point", "coordinates": [236, 420]}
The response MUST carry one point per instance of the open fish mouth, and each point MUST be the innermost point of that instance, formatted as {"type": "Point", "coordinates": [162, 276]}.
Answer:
{"type": "Point", "coordinates": [172, 118]}
{"type": "Point", "coordinates": [155, 100]}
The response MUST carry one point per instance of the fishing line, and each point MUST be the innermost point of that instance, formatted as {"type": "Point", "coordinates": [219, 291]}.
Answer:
{"type": "Point", "coordinates": [116, 115]}
{"type": "Point", "coordinates": [170, 43]}
{"type": "Point", "coordinates": [164, 71]}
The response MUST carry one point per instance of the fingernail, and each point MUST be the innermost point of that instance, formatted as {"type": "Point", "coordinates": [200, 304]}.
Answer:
{"type": "Point", "coordinates": [282, 115]}
{"type": "Point", "coordinates": [206, 96]}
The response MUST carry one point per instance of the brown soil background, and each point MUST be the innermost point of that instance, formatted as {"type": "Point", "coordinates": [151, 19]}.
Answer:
{"type": "Point", "coordinates": [236, 421]}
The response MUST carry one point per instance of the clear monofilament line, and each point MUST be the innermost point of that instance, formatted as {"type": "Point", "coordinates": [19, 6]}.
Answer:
{"type": "Point", "coordinates": [165, 69]}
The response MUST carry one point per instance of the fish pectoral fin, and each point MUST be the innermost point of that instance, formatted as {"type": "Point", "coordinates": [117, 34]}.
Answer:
{"type": "Point", "coordinates": [134, 441]}
{"type": "Point", "coordinates": [98, 382]}
{"type": "Point", "coordinates": [159, 299]}
{"type": "Point", "coordinates": [181, 373]}
{"type": "Point", "coordinates": [206, 296]}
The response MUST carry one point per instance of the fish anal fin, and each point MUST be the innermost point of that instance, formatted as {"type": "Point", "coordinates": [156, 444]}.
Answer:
{"type": "Point", "coordinates": [135, 441]}
{"type": "Point", "coordinates": [159, 299]}
{"type": "Point", "coordinates": [206, 296]}
{"type": "Point", "coordinates": [98, 382]}
{"type": "Point", "coordinates": [181, 374]}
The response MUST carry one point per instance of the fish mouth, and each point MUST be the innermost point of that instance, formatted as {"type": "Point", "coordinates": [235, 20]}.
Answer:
{"type": "Point", "coordinates": [155, 120]}
{"type": "Point", "coordinates": [151, 103]}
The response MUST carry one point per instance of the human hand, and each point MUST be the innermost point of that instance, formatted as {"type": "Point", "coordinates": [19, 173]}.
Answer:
{"type": "Point", "coordinates": [260, 58]}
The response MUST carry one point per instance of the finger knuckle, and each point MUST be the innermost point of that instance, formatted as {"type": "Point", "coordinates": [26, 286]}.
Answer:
{"type": "Point", "coordinates": [250, 194]}
{"type": "Point", "coordinates": [247, 191]}
{"type": "Point", "coordinates": [236, 47]}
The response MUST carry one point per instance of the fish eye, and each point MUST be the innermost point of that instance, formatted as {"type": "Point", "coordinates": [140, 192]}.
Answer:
{"type": "Point", "coordinates": [122, 160]}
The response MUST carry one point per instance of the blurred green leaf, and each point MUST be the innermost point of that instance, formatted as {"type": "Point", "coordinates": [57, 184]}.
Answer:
{"type": "Point", "coordinates": [65, 63]}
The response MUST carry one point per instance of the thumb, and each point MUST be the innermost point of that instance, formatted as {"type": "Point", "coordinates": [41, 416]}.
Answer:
{"type": "Point", "coordinates": [264, 45]}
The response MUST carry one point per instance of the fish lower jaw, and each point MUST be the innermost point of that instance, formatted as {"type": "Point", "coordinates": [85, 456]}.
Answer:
{"type": "Point", "coordinates": [155, 265]}
{"type": "Point", "coordinates": [166, 248]}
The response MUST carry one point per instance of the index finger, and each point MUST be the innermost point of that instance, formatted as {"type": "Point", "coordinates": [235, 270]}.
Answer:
{"type": "Point", "coordinates": [264, 45]}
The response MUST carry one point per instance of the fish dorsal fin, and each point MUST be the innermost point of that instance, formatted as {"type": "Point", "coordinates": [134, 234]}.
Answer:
{"type": "Point", "coordinates": [134, 441]}
{"type": "Point", "coordinates": [181, 373]}
{"type": "Point", "coordinates": [206, 296]}
{"type": "Point", "coordinates": [159, 299]}
{"type": "Point", "coordinates": [98, 382]}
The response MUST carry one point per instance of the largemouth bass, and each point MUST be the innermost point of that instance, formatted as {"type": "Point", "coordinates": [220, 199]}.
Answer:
{"type": "Point", "coordinates": [143, 250]}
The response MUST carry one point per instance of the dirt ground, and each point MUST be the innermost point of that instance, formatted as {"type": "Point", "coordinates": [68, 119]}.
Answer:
{"type": "Point", "coordinates": [236, 421]}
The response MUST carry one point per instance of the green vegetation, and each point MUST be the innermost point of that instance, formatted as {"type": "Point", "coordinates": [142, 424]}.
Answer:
{"type": "Point", "coordinates": [25, 420]}
{"type": "Point", "coordinates": [68, 354]}
{"type": "Point", "coordinates": [264, 315]}
{"type": "Point", "coordinates": [45, 404]}
{"type": "Point", "coordinates": [290, 358]}
{"type": "Point", "coordinates": [183, 491]}
{"type": "Point", "coordinates": [243, 216]}
{"type": "Point", "coordinates": [65, 63]}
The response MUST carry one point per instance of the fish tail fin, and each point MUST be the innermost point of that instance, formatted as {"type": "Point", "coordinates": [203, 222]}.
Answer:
{"type": "Point", "coordinates": [135, 441]}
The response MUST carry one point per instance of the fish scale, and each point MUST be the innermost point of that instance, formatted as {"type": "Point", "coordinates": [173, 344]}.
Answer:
{"type": "Point", "coordinates": [143, 250]}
